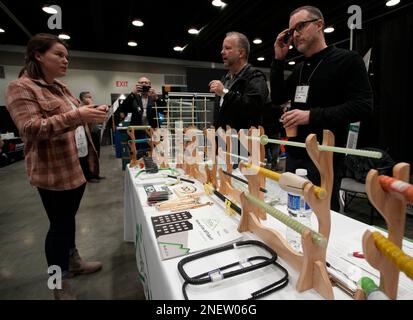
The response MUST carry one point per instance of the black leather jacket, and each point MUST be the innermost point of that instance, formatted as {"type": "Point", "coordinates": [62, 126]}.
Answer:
{"type": "Point", "coordinates": [243, 105]}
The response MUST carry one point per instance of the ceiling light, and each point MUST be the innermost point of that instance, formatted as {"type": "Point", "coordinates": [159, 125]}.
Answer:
{"type": "Point", "coordinates": [132, 44]}
{"type": "Point", "coordinates": [392, 3]}
{"type": "Point", "coordinates": [2, 30]}
{"type": "Point", "coordinates": [49, 10]}
{"type": "Point", "coordinates": [291, 63]}
{"type": "Point", "coordinates": [291, 46]}
{"type": "Point", "coordinates": [261, 59]}
{"type": "Point", "coordinates": [193, 31]}
{"type": "Point", "coordinates": [218, 3]}
{"type": "Point", "coordinates": [137, 23]}
{"type": "Point", "coordinates": [178, 49]}
{"type": "Point", "coordinates": [64, 36]}
{"type": "Point", "coordinates": [329, 30]}
{"type": "Point", "coordinates": [257, 41]}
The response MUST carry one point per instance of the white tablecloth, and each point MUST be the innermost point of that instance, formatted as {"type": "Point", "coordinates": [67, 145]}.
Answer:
{"type": "Point", "coordinates": [161, 279]}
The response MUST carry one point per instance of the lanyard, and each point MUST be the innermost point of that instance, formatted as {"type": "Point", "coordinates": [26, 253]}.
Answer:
{"type": "Point", "coordinates": [312, 73]}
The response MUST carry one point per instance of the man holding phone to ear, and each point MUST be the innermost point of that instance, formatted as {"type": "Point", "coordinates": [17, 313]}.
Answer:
{"type": "Point", "coordinates": [143, 103]}
{"type": "Point", "coordinates": [328, 90]}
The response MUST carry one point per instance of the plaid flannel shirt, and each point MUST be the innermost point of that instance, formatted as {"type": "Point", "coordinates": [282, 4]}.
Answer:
{"type": "Point", "coordinates": [47, 124]}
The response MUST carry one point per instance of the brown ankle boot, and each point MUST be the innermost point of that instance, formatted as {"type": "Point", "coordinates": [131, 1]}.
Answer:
{"type": "Point", "coordinates": [65, 293]}
{"type": "Point", "coordinates": [78, 266]}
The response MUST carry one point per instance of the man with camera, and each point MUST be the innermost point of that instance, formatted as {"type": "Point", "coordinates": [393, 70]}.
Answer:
{"type": "Point", "coordinates": [144, 104]}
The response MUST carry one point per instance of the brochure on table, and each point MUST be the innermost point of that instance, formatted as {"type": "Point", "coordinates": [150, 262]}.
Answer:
{"type": "Point", "coordinates": [191, 231]}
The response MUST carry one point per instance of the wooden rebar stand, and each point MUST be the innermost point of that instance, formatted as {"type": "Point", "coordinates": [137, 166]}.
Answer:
{"type": "Point", "coordinates": [152, 143]}
{"type": "Point", "coordinates": [255, 181]}
{"type": "Point", "coordinates": [180, 162]}
{"type": "Point", "coordinates": [224, 180]}
{"type": "Point", "coordinates": [192, 169]}
{"type": "Point", "coordinates": [163, 160]}
{"type": "Point", "coordinates": [392, 206]}
{"type": "Point", "coordinates": [132, 146]}
{"type": "Point", "coordinates": [211, 152]}
{"type": "Point", "coordinates": [225, 185]}
{"type": "Point", "coordinates": [311, 265]}
{"type": "Point", "coordinates": [186, 166]}
{"type": "Point", "coordinates": [226, 136]}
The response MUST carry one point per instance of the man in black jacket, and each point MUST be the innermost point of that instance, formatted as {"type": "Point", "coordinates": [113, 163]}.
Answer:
{"type": "Point", "coordinates": [243, 92]}
{"type": "Point", "coordinates": [143, 103]}
{"type": "Point", "coordinates": [329, 90]}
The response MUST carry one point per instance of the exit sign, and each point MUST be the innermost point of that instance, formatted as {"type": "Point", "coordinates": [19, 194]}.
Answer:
{"type": "Point", "coordinates": [121, 84]}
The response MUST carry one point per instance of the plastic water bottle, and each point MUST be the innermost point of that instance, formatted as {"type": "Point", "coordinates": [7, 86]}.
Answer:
{"type": "Point", "coordinates": [371, 290]}
{"type": "Point", "coordinates": [299, 210]}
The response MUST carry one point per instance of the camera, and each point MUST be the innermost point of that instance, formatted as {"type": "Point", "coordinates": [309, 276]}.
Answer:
{"type": "Point", "coordinates": [145, 89]}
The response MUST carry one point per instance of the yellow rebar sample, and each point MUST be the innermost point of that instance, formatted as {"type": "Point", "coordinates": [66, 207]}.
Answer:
{"type": "Point", "coordinates": [403, 262]}
{"type": "Point", "coordinates": [320, 193]}
{"type": "Point", "coordinates": [317, 237]}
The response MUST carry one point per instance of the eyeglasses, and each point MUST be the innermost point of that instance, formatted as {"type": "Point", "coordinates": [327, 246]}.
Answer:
{"type": "Point", "coordinates": [301, 25]}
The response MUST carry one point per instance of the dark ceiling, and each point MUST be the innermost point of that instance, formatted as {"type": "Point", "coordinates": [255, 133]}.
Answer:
{"type": "Point", "coordinates": [105, 26]}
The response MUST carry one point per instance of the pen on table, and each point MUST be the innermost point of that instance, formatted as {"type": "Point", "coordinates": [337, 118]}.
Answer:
{"type": "Point", "coordinates": [181, 179]}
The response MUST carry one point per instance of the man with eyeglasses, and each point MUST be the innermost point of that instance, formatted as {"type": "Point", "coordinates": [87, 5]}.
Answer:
{"type": "Point", "coordinates": [328, 90]}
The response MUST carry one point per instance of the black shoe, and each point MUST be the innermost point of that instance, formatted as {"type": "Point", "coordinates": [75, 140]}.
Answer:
{"type": "Point", "coordinates": [100, 177]}
{"type": "Point", "coordinates": [93, 180]}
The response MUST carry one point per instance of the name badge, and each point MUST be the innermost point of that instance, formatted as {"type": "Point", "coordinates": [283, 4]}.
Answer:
{"type": "Point", "coordinates": [301, 94]}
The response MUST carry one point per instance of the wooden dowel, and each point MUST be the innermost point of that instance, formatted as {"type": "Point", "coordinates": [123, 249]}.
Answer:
{"type": "Point", "coordinates": [392, 252]}
{"type": "Point", "coordinates": [318, 238]}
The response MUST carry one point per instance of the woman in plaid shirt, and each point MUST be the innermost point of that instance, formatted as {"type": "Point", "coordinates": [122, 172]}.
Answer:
{"type": "Point", "coordinates": [54, 131]}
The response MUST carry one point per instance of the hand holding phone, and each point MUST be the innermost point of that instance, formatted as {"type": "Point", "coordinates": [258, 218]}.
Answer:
{"type": "Point", "coordinates": [282, 44]}
{"type": "Point", "coordinates": [287, 37]}
{"type": "Point", "coordinates": [102, 107]}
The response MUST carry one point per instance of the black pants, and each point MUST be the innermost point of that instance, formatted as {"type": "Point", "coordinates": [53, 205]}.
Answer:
{"type": "Point", "coordinates": [61, 208]}
{"type": "Point", "coordinates": [313, 175]}
{"type": "Point", "coordinates": [85, 168]}
{"type": "Point", "coordinates": [96, 141]}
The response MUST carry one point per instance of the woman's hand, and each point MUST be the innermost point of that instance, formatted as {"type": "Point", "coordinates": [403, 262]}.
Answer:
{"type": "Point", "coordinates": [93, 114]}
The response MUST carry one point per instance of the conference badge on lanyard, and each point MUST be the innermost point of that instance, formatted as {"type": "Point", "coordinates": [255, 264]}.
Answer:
{"type": "Point", "coordinates": [301, 94]}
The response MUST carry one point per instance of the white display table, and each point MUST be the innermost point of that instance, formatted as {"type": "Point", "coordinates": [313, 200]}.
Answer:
{"type": "Point", "coordinates": [161, 279]}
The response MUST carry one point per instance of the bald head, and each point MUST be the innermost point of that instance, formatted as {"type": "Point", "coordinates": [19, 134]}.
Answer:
{"type": "Point", "coordinates": [144, 81]}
